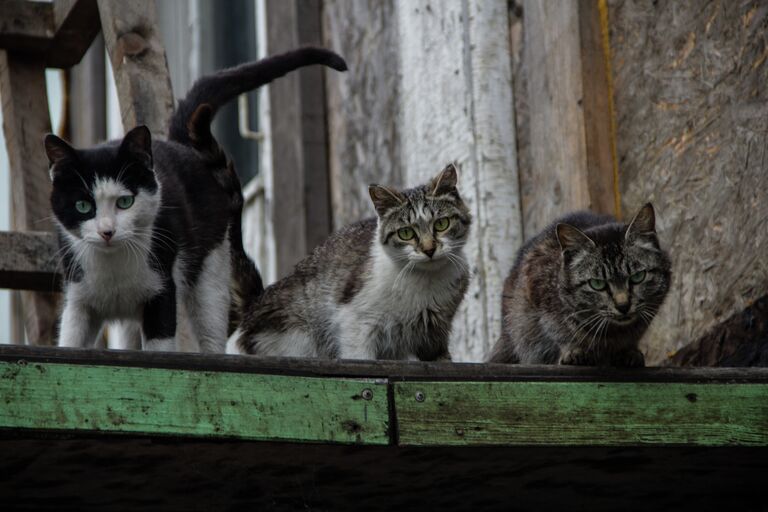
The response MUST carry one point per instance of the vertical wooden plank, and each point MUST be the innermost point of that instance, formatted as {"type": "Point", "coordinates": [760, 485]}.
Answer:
{"type": "Point", "coordinates": [138, 63]}
{"type": "Point", "coordinates": [457, 105]}
{"type": "Point", "coordinates": [572, 162]}
{"type": "Point", "coordinates": [317, 194]}
{"type": "Point", "coordinates": [288, 214]}
{"type": "Point", "coordinates": [25, 121]}
{"type": "Point", "coordinates": [363, 105]}
{"type": "Point", "coordinates": [597, 103]}
{"type": "Point", "coordinates": [555, 91]}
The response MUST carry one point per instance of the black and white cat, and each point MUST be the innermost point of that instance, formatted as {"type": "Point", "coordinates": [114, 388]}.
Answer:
{"type": "Point", "coordinates": [151, 228]}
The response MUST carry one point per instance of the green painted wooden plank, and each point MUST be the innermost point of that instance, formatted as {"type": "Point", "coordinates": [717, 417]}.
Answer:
{"type": "Point", "coordinates": [192, 403]}
{"type": "Point", "coordinates": [581, 413]}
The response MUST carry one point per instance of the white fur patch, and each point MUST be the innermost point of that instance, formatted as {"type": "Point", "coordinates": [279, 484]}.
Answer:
{"type": "Point", "coordinates": [208, 301]}
{"type": "Point", "coordinates": [395, 296]}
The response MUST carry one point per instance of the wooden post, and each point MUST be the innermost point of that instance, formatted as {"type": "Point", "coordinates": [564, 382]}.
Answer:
{"type": "Point", "coordinates": [363, 104]}
{"type": "Point", "coordinates": [572, 144]}
{"type": "Point", "coordinates": [138, 63]}
{"type": "Point", "coordinates": [297, 188]}
{"type": "Point", "coordinates": [25, 121]}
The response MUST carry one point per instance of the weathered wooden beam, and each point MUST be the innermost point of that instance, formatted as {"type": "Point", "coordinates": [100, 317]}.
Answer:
{"type": "Point", "coordinates": [26, 27]}
{"type": "Point", "coordinates": [317, 194]}
{"type": "Point", "coordinates": [25, 121]}
{"type": "Point", "coordinates": [109, 399]}
{"type": "Point", "coordinates": [287, 183]}
{"type": "Point", "coordinates": [571, 140]}
{"type": "Point", "coordinates": [58, 33]}
{"type": "Point", "coordinates": [138, 63]}
{"type": "Point", "coordinates": [395, 371]}
{"type": "Point", "coordinates": [28, 261]}
{"type": "Point", "coordinates": [77, 24]}
{"type": "Point", "coordinates": [583, 414]}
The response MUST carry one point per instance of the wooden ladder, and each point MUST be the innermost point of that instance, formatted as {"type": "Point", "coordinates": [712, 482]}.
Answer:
{"type": "Point", "coordinates": [35, 36]}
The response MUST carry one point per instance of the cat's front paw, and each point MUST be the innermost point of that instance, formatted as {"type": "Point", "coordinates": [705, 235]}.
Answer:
{"type": "Point", "coordinates": [629, 359]}
{"type": "Point", "coordinates": [577, 357]}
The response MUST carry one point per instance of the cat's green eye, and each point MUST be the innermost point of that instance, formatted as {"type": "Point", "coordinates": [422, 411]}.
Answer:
{"type": "Point", "coordinates": [637, 277]}
{"type": "Point", "coordinates": [124, 202]}
{"type": "Point", "coordinates": [597, 284]}
{"type": "Point", "coordinates": [83, 206]}
{"type": "Point", "coordinates": [406, 233]}
{"type": "Point", "coordinates": [442, 224]}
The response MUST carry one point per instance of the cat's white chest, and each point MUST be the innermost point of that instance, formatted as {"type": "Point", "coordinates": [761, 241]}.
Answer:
{"type": "Point", "coordinates": [116, 285]}
{"type": "Point", "coordinates": [394, 297]}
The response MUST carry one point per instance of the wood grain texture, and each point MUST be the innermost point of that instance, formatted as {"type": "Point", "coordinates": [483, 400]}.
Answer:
{"type": "Point", "coordinates": [364, 143]}
{"type": "Point", "coordinates": [555, 91]}
{"type": "Point", "coordinates": [138, 63]}
{"type": "Point", "coordinates": [28, 261]}
{"type": "Point", "coordinates": [56, 33]}
{"type": "Point", "coordinates": [693, 136]}
{"type": "Point", "coordinates": [287, 180]}
{"type": "Point", "coordinates": [63, 397]}
{"type": "Point", "coordinates": [456, 105]}
{"type": "Point", "coordinates": [568, 151]}
{"type": "Point", "coordinates": [608, 414]}
{"type": "Point", "coordinates": [25, 122]}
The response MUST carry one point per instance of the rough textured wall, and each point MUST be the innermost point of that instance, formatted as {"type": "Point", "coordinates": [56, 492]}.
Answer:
{"type": "Point", "coordinates": [363, 137]}
{"type": "Point", "coordinates": [456, 104]}
{"type": "Point", "coordinates": [692, 107]}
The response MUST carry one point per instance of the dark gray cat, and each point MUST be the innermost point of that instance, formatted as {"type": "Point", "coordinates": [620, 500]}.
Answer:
{"type": "Point", "coordinates": [384, 288]}
{"type": "Point", "coordinates": [583, 292]}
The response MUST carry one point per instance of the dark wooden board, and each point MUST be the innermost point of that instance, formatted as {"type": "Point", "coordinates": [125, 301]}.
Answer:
{"type": "Point", "coordinates": [130, 473]}
{"type": "Point", "coordinates": [393, 370]}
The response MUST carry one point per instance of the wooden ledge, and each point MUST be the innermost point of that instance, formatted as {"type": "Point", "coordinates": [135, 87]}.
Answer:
{"type": "Point", "coordinates": [84, 429]}
{"type": "Point", "coordinates": [413, 404]}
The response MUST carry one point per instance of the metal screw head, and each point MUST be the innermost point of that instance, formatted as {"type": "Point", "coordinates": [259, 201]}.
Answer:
{"type": "Point", "coordinates": [367, 394]}
{"type": "Point", "coordinates": [420, 397]}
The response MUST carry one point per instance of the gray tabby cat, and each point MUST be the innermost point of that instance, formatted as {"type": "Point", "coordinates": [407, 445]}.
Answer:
{"type": "Point", "coordinates": [384, 288]}
{"type": "Point", "coordinates": [583, 292]}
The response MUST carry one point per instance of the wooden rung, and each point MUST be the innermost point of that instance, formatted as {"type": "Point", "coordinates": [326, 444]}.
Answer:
{"type": "Point", "coordinates": [57, 33]}
{"type": "Point", "coordinates": [28, 261]}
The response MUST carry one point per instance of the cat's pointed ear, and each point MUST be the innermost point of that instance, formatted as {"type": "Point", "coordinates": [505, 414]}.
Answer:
{"type": "Point", "coordinates": [644, 223]}
{"type": "Point", "coordinates": [385, 198]}
{"type": "Point", "coordinates": [445, 182]}
{"type": "Point", "coordinates": [572, 238]}
{"type": "Point", "coordinates": [58, 151]}
{"type": "Point", "coordinates": [137, 144]}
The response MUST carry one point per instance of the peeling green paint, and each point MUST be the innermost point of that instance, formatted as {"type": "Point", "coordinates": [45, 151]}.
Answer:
{"type": "Point", "coordinates": [581, 413]}
{"type": "Point", "coordinates": [194, 403]}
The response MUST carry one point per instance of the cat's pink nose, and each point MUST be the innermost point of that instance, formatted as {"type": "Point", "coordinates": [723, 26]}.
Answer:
{"type": "Point", "coordinates": [106, 235]}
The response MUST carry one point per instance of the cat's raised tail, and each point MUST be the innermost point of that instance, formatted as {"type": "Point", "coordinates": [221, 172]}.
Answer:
{"type": "Point", "coordinates": [191, 121]}
{"type": "Point", "coordinates": [191, 125]}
